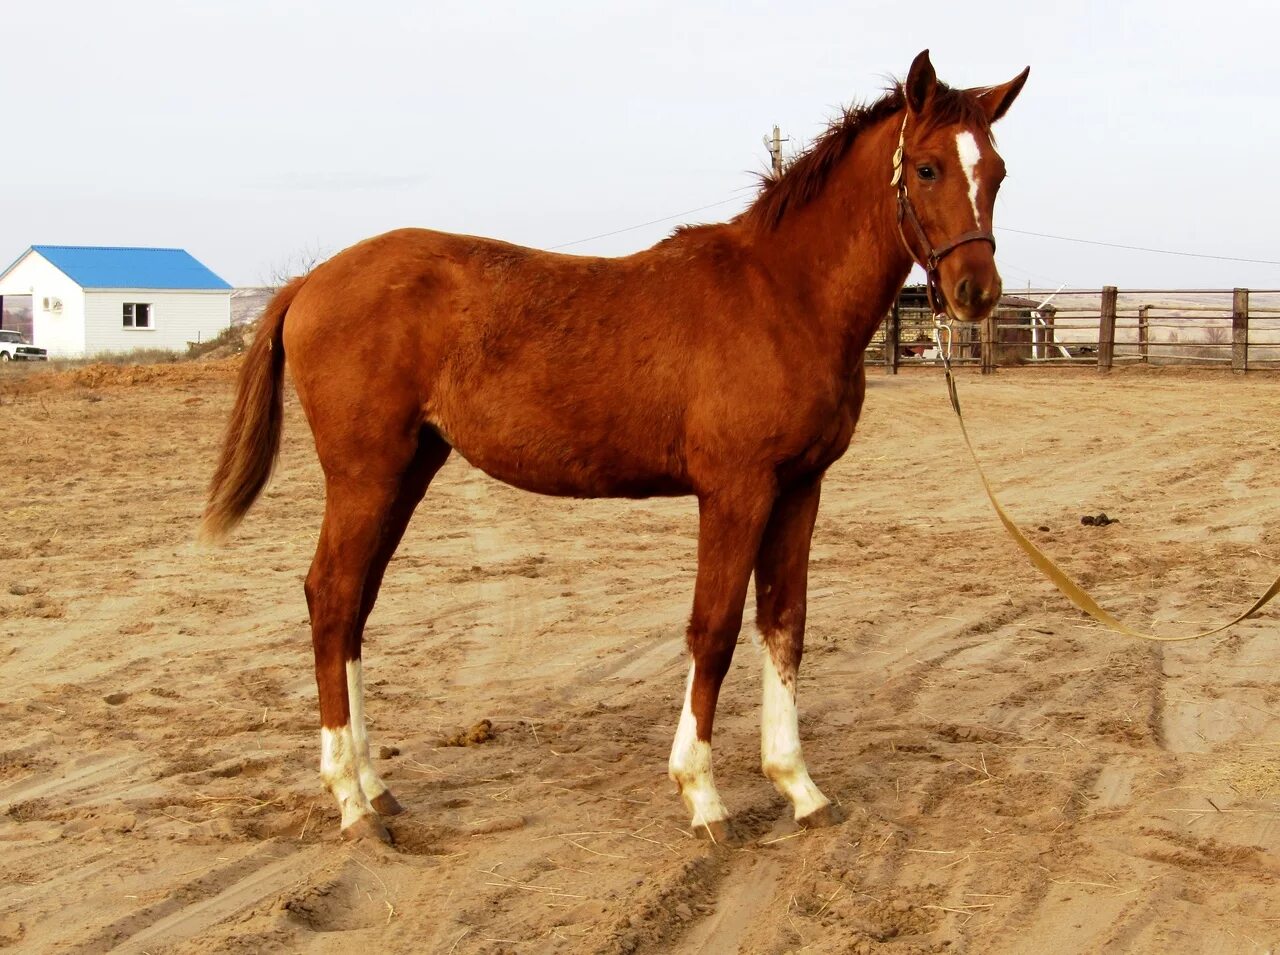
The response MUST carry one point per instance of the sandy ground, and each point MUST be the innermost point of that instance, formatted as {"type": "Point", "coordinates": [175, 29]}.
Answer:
{"type": "Point", "coordinates": [1015, 779]}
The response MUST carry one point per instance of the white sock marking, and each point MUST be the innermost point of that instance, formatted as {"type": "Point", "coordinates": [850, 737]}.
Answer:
{"type": "Point", "coordinates": [969, 152]}
{"type": "Point", "coordinates": [340, 772]}
{"type": "Point", "coordinates": [373, 786]}
{"type": "Point", "coordinates": [780, 743]}
{"type": "Point", "coordinates": [690, 766]}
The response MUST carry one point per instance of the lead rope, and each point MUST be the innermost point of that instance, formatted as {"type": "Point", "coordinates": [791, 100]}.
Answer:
{"type": "Point", "coordinates": [1070, 589]}
{"type": "Point", "coordinates": [943, 337]}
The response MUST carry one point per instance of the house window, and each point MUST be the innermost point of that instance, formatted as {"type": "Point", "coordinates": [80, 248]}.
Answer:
{"type": "Point", "coordinates": [137, 315]}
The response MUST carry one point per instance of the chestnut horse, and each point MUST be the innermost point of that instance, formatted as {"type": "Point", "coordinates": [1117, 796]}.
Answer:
{"type": "Point", "coordinates": [725, 362]}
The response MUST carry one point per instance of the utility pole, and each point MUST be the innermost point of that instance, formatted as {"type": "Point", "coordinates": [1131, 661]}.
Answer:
{"type": "Point", "coordinates": [774, 145]}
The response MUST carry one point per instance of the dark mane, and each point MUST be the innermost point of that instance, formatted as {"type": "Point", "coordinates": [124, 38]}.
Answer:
{"type": "Point", "coordinates": [807, 175]}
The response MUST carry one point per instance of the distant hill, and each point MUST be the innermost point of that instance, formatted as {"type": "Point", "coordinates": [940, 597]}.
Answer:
{"type": "Point", "coordinates": [247, 303]}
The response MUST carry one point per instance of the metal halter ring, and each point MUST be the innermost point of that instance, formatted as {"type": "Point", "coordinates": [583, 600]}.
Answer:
{"type": "Point", "coordinates": [942, 329]}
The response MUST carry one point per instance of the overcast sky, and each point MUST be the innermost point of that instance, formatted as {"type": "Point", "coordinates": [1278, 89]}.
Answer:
{"type": "Point", "coordinates": [246, 131]}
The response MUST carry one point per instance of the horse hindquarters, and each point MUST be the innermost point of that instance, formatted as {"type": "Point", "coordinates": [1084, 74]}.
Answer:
{"type": "Point", "coordinates": [378, 457]}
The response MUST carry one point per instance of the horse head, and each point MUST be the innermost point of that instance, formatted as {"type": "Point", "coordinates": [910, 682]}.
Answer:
{"type": "Point", "coordinates": [946, 172]}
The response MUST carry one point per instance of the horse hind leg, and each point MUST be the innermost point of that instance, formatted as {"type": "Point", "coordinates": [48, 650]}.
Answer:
{"type": "Point", "coordinates": [364, 519]}
{"type": "Point", "coordinates": [430, 457]}
{"type": "Point", "coordinates": [375, 790]}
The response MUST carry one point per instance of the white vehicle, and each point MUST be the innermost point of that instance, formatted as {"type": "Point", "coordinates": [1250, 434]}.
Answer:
{"type": "Point", "coordinates": [13, 347]}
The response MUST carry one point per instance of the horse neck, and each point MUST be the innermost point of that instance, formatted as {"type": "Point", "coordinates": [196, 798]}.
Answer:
{"type": "Point", "coordinates": [841, 254]}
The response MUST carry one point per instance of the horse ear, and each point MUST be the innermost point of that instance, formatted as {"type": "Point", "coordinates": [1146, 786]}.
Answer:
{"type": "Point", "coordinates": [920, 84]}
{"type": "Point", "coordinates": [996, 100]}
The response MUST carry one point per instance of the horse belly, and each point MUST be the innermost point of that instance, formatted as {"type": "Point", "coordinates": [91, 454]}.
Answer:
{"type": "Point", "coordinates": [580, 461]}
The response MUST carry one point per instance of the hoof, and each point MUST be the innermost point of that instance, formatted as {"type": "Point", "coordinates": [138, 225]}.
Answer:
{"type": "Point", "coordinates": [387, 804]}
{"type": "Point", "coordinates": [828, 815]}
{"type": "Point", "coordinates": [368, 827]}
{"type": "Point", "coordinates": [720, 833]}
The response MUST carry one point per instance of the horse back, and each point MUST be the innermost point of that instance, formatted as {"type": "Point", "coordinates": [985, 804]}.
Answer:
{"type": "Point", "coordinates": [561, 374]}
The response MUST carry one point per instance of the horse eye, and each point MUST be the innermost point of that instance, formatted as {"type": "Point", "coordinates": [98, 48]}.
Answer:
{"type": "Point", "coordinates": [927, 173]}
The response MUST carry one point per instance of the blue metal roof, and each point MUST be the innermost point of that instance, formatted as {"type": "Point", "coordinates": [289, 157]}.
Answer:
{"type": "Point", "coordinates": [107, 267]}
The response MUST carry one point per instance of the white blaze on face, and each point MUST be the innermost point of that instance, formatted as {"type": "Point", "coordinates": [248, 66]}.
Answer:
{"type": "Point", "coordinates": [969, 152]}
{"type": "Point", "coordinates": [373, 786]}
{"type": "Point", "coordinates": [780, 743]}
{"type": "Point", "coordinates": [690, 766]}
{"type": "Point", "coordinates": [340, 772]}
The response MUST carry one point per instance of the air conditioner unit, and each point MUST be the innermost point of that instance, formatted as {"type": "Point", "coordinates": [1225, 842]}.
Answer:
{"type": "Point", "coordinates": [52, 304]}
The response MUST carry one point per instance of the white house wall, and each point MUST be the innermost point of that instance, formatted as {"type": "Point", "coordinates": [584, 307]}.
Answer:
{"type": "Point", "coordinates": [60, 331]}
{"type": "Point", "coordinates": [176, 318]}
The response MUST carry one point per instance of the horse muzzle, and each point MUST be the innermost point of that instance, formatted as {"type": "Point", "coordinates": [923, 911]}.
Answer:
{"type": "Point", "coordinates": [970, 283]}
{"type": "Point", "coordinates": [972, 299]}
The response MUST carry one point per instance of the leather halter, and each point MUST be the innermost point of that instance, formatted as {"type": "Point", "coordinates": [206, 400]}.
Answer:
{"type": "Point", "coordinates": [933, 256]}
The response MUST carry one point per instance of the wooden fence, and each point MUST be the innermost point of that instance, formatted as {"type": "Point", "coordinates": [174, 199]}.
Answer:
{"type": "Point", "coordinates": [1233, 328]}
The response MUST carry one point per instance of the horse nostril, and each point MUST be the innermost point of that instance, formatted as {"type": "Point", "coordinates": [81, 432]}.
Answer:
{"type": "Point", "coordinates": [962, 292]}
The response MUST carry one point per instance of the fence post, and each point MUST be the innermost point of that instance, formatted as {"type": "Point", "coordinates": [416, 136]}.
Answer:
{"type": "Point", "coordinates": [1107, 328]}
{"type": "Point", "coordinates": [988, 347]}
{"type": "Point", "coordinates": [1144, 333]}
{"type": "Point", "coordinates": [892, 338]}
{"type": "Point", "coordinates": [1240, 330]}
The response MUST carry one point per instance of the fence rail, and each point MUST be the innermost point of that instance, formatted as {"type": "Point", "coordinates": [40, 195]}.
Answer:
{"type": "Point", "coordinates": [1236, 328]}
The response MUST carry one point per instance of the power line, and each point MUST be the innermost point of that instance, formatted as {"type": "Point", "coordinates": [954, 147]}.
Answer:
{"type": "Point", "coordinates": [632, 228]}
{"type": "Point", "coordinates": [1139, 248]}
{"type": "Point", "coordinates": [1038, 235]}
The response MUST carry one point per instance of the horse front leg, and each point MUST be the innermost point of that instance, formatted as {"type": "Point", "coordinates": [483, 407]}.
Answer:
{"type": "Point", "coordinates": [782, 570]}
{"type": "Point", "coordinates": [730, 524]}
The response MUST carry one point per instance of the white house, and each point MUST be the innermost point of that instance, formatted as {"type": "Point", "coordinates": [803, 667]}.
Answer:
{"type": "Point", "coordinates": [85, 300]}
